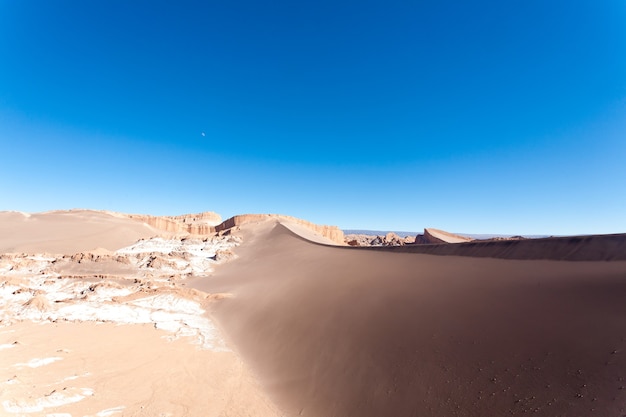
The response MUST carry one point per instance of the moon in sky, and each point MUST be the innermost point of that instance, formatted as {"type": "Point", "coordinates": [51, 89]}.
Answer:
{"type": "Point", "coordinates": [203, 134]}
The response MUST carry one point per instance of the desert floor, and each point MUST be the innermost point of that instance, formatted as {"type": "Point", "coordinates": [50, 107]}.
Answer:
{"type": "Point", "coordinates": [103, 315]}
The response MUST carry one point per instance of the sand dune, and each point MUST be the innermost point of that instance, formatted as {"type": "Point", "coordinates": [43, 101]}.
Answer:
{"type": "Point", "coordinates": [68, 231]}
{"type": "Point", "coordinates": [359, 332]}
{"type": "Point", "coordinates": [71, 231]}
{"type": "Point", "coordinates": [266, 315]}
{"type": "Point", "coordinates": [571, 248]}
{"type": "Point", "coordinates": [311, 231]}
{"type": "Point", "coordinates": [441, 236]}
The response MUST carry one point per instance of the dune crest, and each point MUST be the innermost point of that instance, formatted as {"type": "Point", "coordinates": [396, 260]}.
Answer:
{"type": "Point", "coordinates": [441, 236]}
{"type": "Point", "coordinates": [68, 231]}
{"type": "Point", "coordinates": [83, 230]}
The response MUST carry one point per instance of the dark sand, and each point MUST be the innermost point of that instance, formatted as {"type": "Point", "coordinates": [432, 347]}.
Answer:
{"type": "Point", "coordinates": [336, 331]}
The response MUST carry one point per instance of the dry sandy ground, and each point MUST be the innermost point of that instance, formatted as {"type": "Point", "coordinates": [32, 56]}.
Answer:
{"type": "Point", "coordinates": [265, 322]}
{"type": "Point", "coordinates": [87, 369]}
{"type": "Point", "coordinates": [68, 231]}
{"type": "Point", "coordinates": [337, 331]}
{"type": "Point", "coordinates": [114, 332]}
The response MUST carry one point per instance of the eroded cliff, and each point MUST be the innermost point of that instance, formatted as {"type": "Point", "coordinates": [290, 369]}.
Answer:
{"type": "Point", "coordinates": [195, 224]}
{"type": "Point", "coordinates": [331, 232]}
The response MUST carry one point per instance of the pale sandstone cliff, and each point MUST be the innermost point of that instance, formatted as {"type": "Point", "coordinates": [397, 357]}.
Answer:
{"type": "Point", "coordinates": [196, 224]}
{"type": "Point", "coordinates": [331, 232]}
{"type": "Point", "coordinates": [208, 223]}
{"type": "Point", "coordinates": [207, 217]}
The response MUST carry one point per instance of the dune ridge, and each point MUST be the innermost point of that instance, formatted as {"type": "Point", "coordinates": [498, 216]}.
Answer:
{"type": "Point", "coordinates": [209, 223]}
{"type": "Point", "coordinates": [440, 236]}
{"type": "Point", "coordinates": [569, 248]}
{"type": "Point", "coordinates": [381, 331]}
{"type": "Point", "coordinates": [80, 230]}
{"type": "Point", "coordinates": [610, 247]}
{"type": "Point", "coordinates": [69, 231]}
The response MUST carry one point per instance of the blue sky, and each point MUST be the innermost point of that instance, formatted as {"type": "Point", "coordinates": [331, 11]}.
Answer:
{"type": "Point", "coordinates": [481, 117]}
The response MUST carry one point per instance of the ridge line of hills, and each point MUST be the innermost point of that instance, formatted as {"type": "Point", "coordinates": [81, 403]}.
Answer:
{"type": "Point", "coordinates": [93, 230]}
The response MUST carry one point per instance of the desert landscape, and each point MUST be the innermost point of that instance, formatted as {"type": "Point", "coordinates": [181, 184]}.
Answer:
{"type": "Point", "coordinates": [312, 209]}
{"type": "Point", "coordinates": [111, 314]}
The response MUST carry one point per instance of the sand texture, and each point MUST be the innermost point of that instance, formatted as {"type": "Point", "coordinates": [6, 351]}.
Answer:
{"type": "Point", "coordinates": [114, 331]}
{"type": "Point", "coordinates": [87, 369]}
{"type": "Point", "coordinates": [102, 314]}
{"type": "Point", "coordinates": [360, 332]}
{"type": "Point", "coordinates": [67, 231]}
{"type": "Point", "coordinates": [440, 236]}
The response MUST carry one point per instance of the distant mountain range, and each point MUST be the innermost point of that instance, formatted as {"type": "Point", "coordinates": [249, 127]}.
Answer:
{"type": "Point", "coordinates": [405, 234]}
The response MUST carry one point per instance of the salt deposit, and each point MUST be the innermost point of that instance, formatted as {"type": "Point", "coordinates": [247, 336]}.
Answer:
{"type": "Point", "coordinates": [54, 399]}
{"type": "Point", "coordinates": [110, 411]}
{"type": "Point", "coordinates": [37, 362]}
{"type": "Point", "coordinates": [31, 289]}
{"type": "Point", "coordinates": [185, 256]}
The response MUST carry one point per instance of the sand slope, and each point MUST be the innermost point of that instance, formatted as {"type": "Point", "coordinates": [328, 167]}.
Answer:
{"type": "Point", "coordinates": [467, 329]}
{"type": "Point", "coordinates": [441, 236]}
{"type": "Point", "coordinates": [350, 332]}
{"type": "Point", "coordinates": [68, 231]}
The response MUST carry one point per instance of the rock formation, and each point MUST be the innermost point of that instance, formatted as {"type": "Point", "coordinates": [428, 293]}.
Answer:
{"type": "Point", "coordinates": [207, 217]}
{"type": "Point", "coordinates": [331, 232]}
{"type": "Point", "coordinates": [195, 224]}
{"type": "Point", "coordinates": [430, 236]}
{"type": "Point", "coordinates": [209, 223]}
{"type": "Point", "coordinates": [390, 239]}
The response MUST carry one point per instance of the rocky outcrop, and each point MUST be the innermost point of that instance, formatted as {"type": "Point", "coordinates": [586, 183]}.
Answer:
{"type": "Point", "coordinates": [358, 240]}
{"type": "Point", "coordinates": [390, 239]}
{"type": "Point", "coordinates": [330, 232]}
{"type": "Point", "coordinates": [421, 240]}
{"type": "Point", "coordinates": [195, 224]}
{"type": "Point", "coordinates": [162, 223]}
{"type": "Point", "coordinates": [430, 236]}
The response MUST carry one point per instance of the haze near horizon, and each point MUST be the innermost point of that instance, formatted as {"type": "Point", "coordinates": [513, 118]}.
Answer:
{"type": "Point", "coordinates": [483, 118]}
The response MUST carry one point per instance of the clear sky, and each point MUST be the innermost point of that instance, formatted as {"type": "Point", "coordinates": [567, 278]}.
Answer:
{"type": "Point", "coordinates": [477, 117]}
